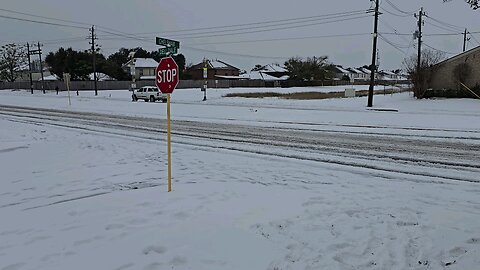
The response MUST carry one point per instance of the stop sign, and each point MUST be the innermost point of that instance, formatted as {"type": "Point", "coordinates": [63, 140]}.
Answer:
{"type": "Point", "coordinates": [166, 75]}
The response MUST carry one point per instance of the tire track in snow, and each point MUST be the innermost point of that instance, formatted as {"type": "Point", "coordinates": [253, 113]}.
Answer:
{"type": "Point", "coordinates": [452, 160]}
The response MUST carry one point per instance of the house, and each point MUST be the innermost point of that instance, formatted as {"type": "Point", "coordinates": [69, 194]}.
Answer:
{"type": "Point", "coordinates": [463, 67]}
{"type": "Point", "coordinates": [341, 73]}
{"type": "Point", "coordinates": [273, 70]}
{"type": "Point", "coordinates": [141, 68]}
{"type": "Point", "coordinates": [358, 75]}
{"type": "Point", "coordinates": [216, 69]}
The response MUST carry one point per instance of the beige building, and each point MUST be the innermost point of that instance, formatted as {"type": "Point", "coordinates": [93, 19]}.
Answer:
{"type": "Point", "coordinates": [444, 77]}
{"type": "Point", "coordinates": [141, 68]}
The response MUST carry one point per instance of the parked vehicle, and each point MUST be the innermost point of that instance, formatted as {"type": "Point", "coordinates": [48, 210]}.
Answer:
{"type": "Point", "coordinates": [149, 93]}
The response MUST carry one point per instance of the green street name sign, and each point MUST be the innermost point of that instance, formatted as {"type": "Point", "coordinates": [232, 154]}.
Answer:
{"type": "Point", "coordinates": [168, 42]}
{"type": "Point", "coordinates": [165, 51]}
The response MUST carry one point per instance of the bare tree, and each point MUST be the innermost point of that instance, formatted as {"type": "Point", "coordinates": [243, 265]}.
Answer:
{"type": "Point", "coordinates": [475, 4]}
{"type": "Point", "coordinates": [12, 57]}
{"type": "Point", "coordinates": [422, 77]}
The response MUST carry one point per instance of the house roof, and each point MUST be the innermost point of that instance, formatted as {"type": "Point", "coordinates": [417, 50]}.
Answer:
{"type": "Point", "coordinates": [142, 63]}
{"type": "Point", "coordinates": [354, 70]}
{"type": "Point", "coordinates": [52, 77]}
{"type": "Point", "coordinates": [214, 64]}
{"type": "Point", "coordinates": [340, 69]}
{"type": "Point", "coordinates": [261, 75]}
{"type": "Point", "coordinates": [273, 68]}
{"type": "Point", "coordinates": [100, 77]}
{"type": "Point", "coordinates": [365, 70]}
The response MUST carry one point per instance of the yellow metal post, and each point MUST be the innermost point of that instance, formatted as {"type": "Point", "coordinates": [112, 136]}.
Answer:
{"type": "Point", "coordinates": [169, 146]}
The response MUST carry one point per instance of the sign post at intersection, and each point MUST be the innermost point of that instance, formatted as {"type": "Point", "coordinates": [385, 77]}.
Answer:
{"type": "Point", "coordinates": [166, 79]}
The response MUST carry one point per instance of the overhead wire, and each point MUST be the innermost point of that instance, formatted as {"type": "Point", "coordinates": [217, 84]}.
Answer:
{"type": "Point", "coordinates": [42, 22]}
{"type": "Point", "coordinates": [433, 48]}
{"type": "Point", "coordinates": [324, 16]}
{"type": "Point", "coordinates": [398, 9]}
{"type": "Point", "coordinates": [42, 17]}
{"type": "Point", "coordinates": [240, 31]}
{"type": "Point", "coordinates": [394, 14]}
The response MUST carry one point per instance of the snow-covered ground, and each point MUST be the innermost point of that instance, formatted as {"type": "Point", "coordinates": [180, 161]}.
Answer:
{"type": "Point", "coordinates": [83, 199]}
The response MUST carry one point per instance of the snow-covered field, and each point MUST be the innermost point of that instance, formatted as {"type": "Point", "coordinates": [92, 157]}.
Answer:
{"type": "Point", "coordinates": [74, 197]}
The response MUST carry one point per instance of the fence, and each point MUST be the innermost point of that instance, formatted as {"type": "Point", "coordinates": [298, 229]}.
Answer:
{"type": "Point", "coordinates": [183, 84]}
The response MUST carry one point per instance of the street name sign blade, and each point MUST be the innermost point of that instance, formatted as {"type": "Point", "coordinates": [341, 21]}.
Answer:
{"type": "Point", "coordinates": [165, 51]}
{"type": "Point", "coordinates": [166, 75]}
{"type": "Point", "coordinates": [167, 42]}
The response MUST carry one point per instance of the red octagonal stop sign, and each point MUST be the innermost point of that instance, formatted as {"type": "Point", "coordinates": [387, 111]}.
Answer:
{"type": "Point", "coordinates": [166, 75]}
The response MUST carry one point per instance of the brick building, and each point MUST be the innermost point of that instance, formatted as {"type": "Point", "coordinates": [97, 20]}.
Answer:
{"type": "Point", "coordinates": [216, 69]}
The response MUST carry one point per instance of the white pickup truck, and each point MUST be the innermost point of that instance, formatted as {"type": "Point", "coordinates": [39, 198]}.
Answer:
{"type": "Point", "coordinates": [149, 93]}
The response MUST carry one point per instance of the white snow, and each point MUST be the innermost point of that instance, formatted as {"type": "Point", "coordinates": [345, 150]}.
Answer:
{"type": "Point", "coordinates": [80, 199]}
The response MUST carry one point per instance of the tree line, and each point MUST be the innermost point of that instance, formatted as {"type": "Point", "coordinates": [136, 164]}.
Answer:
{"type": "Point", "coordinates": [13, 61]}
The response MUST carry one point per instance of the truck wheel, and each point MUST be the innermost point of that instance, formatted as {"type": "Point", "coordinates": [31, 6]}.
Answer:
{"type": "Point", "coordinates": [152, 99]}
{"type": "Point", "coordinates": [164, 100]}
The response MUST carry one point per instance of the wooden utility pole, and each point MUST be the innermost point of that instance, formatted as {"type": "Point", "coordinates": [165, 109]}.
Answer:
{"type": "Point", "coordinates": [373, 67]}
{"type": "Point", "coordinates": [30, 68]}
{"type": "Point", "coordinates": [465, 39]}
{"type": "Point", "coordinates": [419, 36]}
{"type": "Point", "coordinates": [94, 58]}
{"type": "Point", "coordinates": [41, 67]}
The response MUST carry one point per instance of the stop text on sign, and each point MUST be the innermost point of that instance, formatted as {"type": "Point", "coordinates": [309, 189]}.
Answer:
{"type": "Point", "coordinates": [166, 75]}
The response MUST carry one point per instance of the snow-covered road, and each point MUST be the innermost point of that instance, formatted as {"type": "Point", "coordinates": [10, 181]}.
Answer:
{"type": "Point", "coordinates": [456, 159]}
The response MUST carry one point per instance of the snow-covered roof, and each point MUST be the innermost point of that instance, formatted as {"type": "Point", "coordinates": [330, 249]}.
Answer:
{"type": "Point", "coordinates": [341, 69]}
{"type": "Point", "coordinates": [388, 73]}
{"type": "Point", "coordinates": [231, 77]}
{"type": "Point", "coordinates": [365, 70]}
{"type": "Point", "coordinates": [273, 68]}
{"type": "Point", "coordinates": [260, 75]}
{"type": "Point", "coordinates": [355, 70]}
{"type": "Point", "coordinates": [52, 77]}
{"type": "Point", "coordinates": [147, 77]}
{"type": "Point", "coordinates": [214, 64]}
{"type": "Point", "coordinates": [100, 77]}
{"type": "Point", "coordinates": [142, 63]}
{"type": "Point", "coordinates": [218, 64]}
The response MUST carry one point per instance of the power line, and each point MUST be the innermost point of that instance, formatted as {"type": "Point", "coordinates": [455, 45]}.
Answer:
{"type": "Point", "coordinates": [474, 38]}
{"type": "Point", "coordinates": [456, 27]}
{"type": "Point", "coordinates": [42, 17]}
{"type": "Point", "coordinates": [441, 27]}
{"type": "Point", "coordinates": [248, 30]}
{"type": "Point", "coordinates": [288, 38]}
{"type": "Point", "coordinates": [392, 44]}
{"type": "Point", "coordinates": [237, 54]}
{"type": "Point", "coordinates": [42, 22]}
{"type": "Point", "coordinates": [398, 9]}
{"type": "Point", "coordinates": [324, 16]}
{"type": "Point", "coordinates": [394, 14]}
{"type": "Point", "coordinates": [438, 49]}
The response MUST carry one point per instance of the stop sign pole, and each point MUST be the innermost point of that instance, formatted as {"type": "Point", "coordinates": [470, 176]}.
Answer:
{"type": "Point", "coordinates": [166, 79]}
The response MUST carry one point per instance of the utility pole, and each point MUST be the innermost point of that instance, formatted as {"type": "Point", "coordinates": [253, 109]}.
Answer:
{"type": "Point", "coordinates": [465, 39]}
{"type": "Point", "coordinates": [94, 58]}
{"type": "Point", "coordinates": [373, 67]}
{"type": "Point", "coordinates": [30, 68]}
{"type": "Point", "coordinates": [41, 67]}
{"type": "Point", "coordinates": [205, 76]}
{"type": "Point", "coordinates": [419, 36]}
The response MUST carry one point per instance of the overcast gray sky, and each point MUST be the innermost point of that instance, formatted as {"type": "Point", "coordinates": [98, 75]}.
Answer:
{"type": "Point", "coordinates": [161, 17]}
